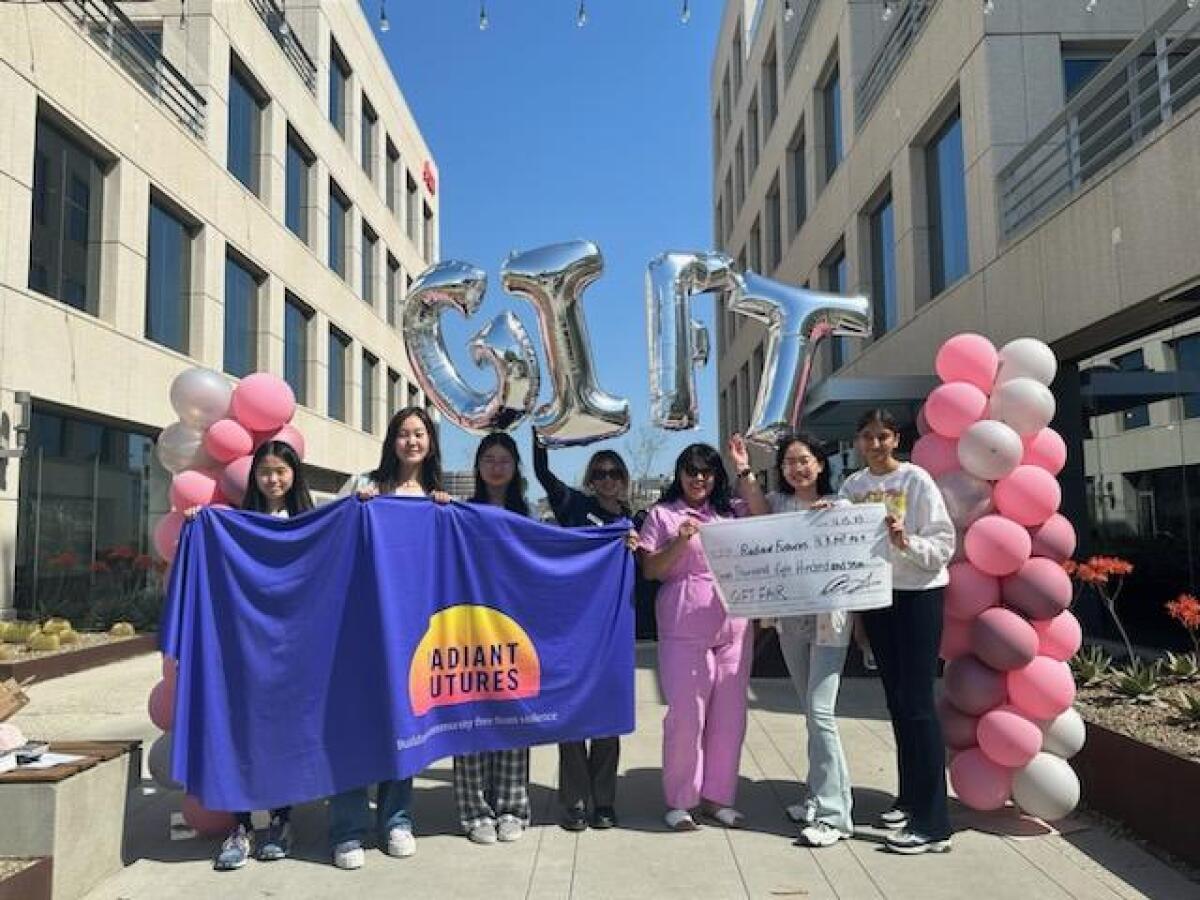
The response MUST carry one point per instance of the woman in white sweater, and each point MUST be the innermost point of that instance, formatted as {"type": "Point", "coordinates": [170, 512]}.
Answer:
{"type": "Point", "coordinates": [906, 635]}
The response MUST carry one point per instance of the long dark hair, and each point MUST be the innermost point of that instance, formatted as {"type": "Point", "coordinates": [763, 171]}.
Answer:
{"type": "Point", "coordinates": [514, 493]}
{"type": "Point", "coordinates": [297, 500]}
{"type": "Point", "coordinates": [817, 449]}
{"type": "Point", "coordinates": [387, 475]}
{"type": "Point", "coordinates": [702, 456]}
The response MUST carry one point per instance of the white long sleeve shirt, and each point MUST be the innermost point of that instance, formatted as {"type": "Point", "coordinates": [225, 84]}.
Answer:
{"type": "Point", "coordinates": [910, 494]}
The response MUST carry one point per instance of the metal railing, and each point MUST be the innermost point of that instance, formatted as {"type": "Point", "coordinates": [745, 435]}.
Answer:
{"type": "Point", "coordinates": [117, 34]}
{"type": "Point", "coordinates": [1145, 85]}
{"type": "Point", "coordinates": [285, 36]}
{"type": "Point", "coordinates": [795, 35]}
{"type": "Point", "coordinates": [910, 20]}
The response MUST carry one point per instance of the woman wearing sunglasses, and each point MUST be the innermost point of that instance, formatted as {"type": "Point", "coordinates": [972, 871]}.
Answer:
{"type": "Point", "coordinates": [703, 653]}
{"type": "Point", "coordinates": [587, 773]}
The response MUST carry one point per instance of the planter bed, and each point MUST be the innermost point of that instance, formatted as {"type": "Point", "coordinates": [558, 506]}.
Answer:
{"type": "Point", "coordinates": [87, 655]}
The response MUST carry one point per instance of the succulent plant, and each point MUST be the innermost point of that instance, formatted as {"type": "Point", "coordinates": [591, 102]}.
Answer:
{"type": "Point", "coordinates": [1187, 703]}
{"type": "Point", "coordinates": [122, 629]}
{"type": "Point", "coordinates": [1090, 665]}
{"type": "Point", "coordinates": [1138, 681]}
{"type": "Point", "coordinates": [39, 640]}
{"type": "Point", "coordinates": [68, 636]}
{"type": "Point", "coordinates": [1182, 666]}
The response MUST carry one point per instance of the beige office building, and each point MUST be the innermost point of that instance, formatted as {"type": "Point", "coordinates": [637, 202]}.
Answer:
{"type": "Point", "coordinates": [1032, 171]}
{"type": "Point", "coordinates": [217, 183]}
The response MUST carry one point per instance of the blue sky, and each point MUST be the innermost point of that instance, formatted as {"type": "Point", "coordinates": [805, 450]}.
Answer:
{"type": "Point", "coordinates": [545, 132]}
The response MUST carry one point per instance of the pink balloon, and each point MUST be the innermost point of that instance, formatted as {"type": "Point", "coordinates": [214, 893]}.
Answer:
{"type": "Point", "coordinates": [956, 640]}
{"type": "Point", "coordinates": [166, 535]}
{"type": "Point", "coordinates": [935, 454]}
{"type": "Point", "coordinates": [968, 499]}
{"type": "Point", "coordinates": [970, 592]}
{"type": "Point", "coordinates": [1008, 738]}
{"type": "Point", "coordinates": [170, 669]}
{"type": "Point", "coordinates": [263, 402]}
{"type": "Point", "coordinates": [968, 357]}
{"type": "Point", "coordinates": [1054, 539]}
{"type": "Point", "coordinates": [1043, 689]}
{"type": "Point", "coordinates": [1046, 449]}
{"type": "Point", "coordinates": [1059, 638]}
{"type": "Point", "coordinates": [960, 546]}
{"type": "Point", "coordinates": [226, 440]}
{"type": "Point", "coordinates": [1040, 589]}
{"type": "Point", "coordinates": [922, 422]}
{"type": "Point", "coordinates": [161, 705]}
{"type": "Point", "coordinates": [207, 822]}
{"type": "Point", "coordinates": [954, 407]}
{"type": "Point", "coordinates": [1003, 640]}
{"type": "Point", "coordinates": [235, 478]}
{"type": "Point", "coordinates": [997, 546]}
{"type": "Point", "coordinates": [980, 783]}
{"type": "Point", "coordinates": [291, 436]}
{"type": "Point", "coordinates": [972, 686]}
{"type": "Point", "coordinates": [192, 487]}
{"type": "Point", "coordinates": [958, 729]}
{"type": "Point", "coordinates": [1028, 496]}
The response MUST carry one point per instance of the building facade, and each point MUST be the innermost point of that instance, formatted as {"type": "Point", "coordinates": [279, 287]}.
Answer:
{"type": "Point", "coordinates": [219, 184]}
{"type": "Point", "coordinates": [1028, 172]}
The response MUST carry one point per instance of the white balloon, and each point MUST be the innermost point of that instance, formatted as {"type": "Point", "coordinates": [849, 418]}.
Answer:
{"type": "Point", "coordinates": [1026, 405]}
{"type": "Point", "coordinates": [1047, 787]}
{"type": "Point", "coordinates": [990, 450]}
{"type": "Point", "coordinates": [1064, 735]}
{"type": "Point", "coordinates": [181, 447]}
{"type": "Point", "coordinates": [1026, 358]}
{"type": "Point", "coordinates": [158, 761]}
{"type": "Point", "coordinates": [967, 498]}
{"type": "Point", "coordinates": [200, 397]}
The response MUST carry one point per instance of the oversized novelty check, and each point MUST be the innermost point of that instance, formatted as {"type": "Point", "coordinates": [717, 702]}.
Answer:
{"type": "Point", "coordinates": [800, 563]}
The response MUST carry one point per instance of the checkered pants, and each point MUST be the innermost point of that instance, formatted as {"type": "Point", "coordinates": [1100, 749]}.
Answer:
{"type": "Point", "coordinates": [490, 785]}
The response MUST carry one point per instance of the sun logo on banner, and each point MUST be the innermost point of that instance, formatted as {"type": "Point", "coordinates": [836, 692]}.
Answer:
{"type": "Point", "coordinates": [472, 653]}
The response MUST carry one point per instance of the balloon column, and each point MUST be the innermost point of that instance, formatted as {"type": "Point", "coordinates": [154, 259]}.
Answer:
{"type": "Point", "coordinates": [209, 452]}
{"type": "Point", "coordinates": [1006, 707]}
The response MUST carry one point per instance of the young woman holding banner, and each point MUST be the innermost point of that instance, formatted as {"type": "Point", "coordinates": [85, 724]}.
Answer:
{"type": "Point", "coordinates": [906, 635]}
{"type": "Point", "coordinates": [814, 647]}
{"type": "Point", "coordinates": [410, 464]}
{"type": "Point", "coordinates": [492, 788]}
{"type": "Point", "coordinates": [703, 653]}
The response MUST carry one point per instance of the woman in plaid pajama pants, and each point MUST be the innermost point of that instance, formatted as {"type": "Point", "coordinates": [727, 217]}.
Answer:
{"type": "Point", "coordinates": [492, 788]}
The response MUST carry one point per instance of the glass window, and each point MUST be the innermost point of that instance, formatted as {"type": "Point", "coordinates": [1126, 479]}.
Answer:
{"type": "Point", "coordinates": [414, 395]}
{"type": "Point", "coordinates": [64, 240]}
{"type": "Point", "coordinates": [339, 83]}
{"type": "Point", "coordinates": [245, 113]}
{"type": "Point", "coordinates": [370, 244]}
{"type": "Point", "coordinates": [744, 407]}
{"type": "Point", "coordinates": [752, 135]}
{"type": "Point", "coordinates": [729, 208]}
{"type": "Point", "coordinates": [726, 101]}
{"type": "Point", "coordinates": [430, 237]}
{"type": "Point", "coordinates": [392, 178]}
{"type": "Point", "coordinates": [737, 55]}
{"type": "Point", "coordinates": [299, 176]}
{"type": "Point", "coordinates": [754, 250]}
{"type": "Point", "coordinates": [1187, 359]}
{"type": "Point", "coordinates": [774, 213]}
{"type": "Point", "coordinates": [168, 278]}
{"type": "Point", "coordinates": [798, 170]}
{"type": "Point", "coordinates": [297, 319]}
{"type": "Point", "coordinates": [946, 181]}
{"type": "Point", "coordinates": [831, 109]}
{"type": "Point", "coordinates": [770, 88]}
{"type": "Point", "coordinates": [339, 349]}
{"type": "Point", "coordinates": [241, 316]}
{"type": "Point", "coordinates": [367, 151]}
{"type": "Point", "coordinates": [718, 221]}
{"type": "Point", "coordinates": [90, 495]}
{"type": "Point", "coordinates": [1135, 416]}
{"type": "Point", "coordinates": [833, 278]}
{"type": "Point", "coordinates": [411, 206]}
{"type": "Point", "coordinates": [739, 164]}
{"type": "Point", "coordinates": [883, 267]}
{"type": "Point", "coordinates": [370, 365]}
{"type": "Point", "coordinates": [395, 391]}
{"type": "Point", "coordinates": [394, 297]}
{"type": "Point", "coordinates": [339, 230]}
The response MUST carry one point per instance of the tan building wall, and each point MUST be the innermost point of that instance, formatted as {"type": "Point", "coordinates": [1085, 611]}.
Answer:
{"type": "Point", "coordinates": [102, 365]}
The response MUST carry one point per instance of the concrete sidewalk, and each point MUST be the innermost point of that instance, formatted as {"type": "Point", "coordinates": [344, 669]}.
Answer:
{"type": "Point", "coordinates": [994, 856]}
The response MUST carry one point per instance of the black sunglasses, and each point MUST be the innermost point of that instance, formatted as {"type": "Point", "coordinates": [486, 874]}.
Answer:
{"type": "Point", "coordinates": [601, 474]}
{"type": "Point", "coordinates": [697, 471]}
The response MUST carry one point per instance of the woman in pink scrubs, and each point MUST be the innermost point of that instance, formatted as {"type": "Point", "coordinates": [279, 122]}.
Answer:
{"type": "Point", "coordinates": [703, 653]}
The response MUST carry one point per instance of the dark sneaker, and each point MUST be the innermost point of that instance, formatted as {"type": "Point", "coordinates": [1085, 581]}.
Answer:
{"type": "Point", "coordinates": [278, 843]}
{"type": "Point", "coordinates": [573, 818]}
{"type": "Point", "coordinates": [911, 843]}
{"type": "Point", "coordinates": [604, 817]}
{"type": "Point", "coordinates": [893, 820]}
{"type": "Point", "coordinates": [234, 852]}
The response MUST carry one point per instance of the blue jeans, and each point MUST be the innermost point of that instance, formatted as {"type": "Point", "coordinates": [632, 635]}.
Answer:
{"type": "Point", "coordinates": [350, 815]}
{"type": "Point", "coordinates": [816, 674]}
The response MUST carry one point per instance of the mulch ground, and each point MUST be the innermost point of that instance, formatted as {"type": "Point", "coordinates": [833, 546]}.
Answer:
{"type": "Point", "coordinates": [86, 639]}
{"type": "Point", "coordinates": [1156, 722]}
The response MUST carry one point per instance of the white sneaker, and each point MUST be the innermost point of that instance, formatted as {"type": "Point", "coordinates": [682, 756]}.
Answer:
{"type": "Point", "coordinates": [893, 820]}
{"type": "Point", "coordinates": [509, 829]}
{"type": "Point", "coordinates": [680, 820]}
{"type": "Point", "coordinates": [401, 843]}
{"type": "Point", "coordinates": [802, 813]}
{"type": "Point", "coordinates": [349, 855]}
{"type": "Point", "coordinates": [911, 843]}
{"type": "Point", "coordinates": [483, 833]}
{"type": "Point", "coordinates": [822, 834]}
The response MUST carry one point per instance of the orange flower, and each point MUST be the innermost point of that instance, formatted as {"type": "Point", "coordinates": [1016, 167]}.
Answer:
{"type": "Point", "coordinates": [142, 562]}
{"type": "Point", "coordinates": [1185, 610]}
{"type": "Point", "coordinates": [99, 567]}
{"type": "Point", "coordinates": [65, 560]}
{"type": "Point", "coordinates": [1070, 566]}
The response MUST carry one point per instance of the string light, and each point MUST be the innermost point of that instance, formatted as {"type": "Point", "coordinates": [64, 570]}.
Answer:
{"type": "Point", "coordinates": [1091, 6]}
{"type": "Point", "coordinates": [483, 17]}
{"type": "Point", "coordinates": [581, 16]}
{"type": "Point", "coordinates": [384, 25]}
{"type": "Point", "coordinates": [685, 14]}
{"type": "Point", "coordinates": [988, 7]}
{"type": "Point", "coordinates": [788, 11]}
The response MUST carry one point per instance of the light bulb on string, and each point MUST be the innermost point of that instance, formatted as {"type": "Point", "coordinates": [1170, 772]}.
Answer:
{"type": "Point", "coordinates": [1090, 7]}
{"type": "Point", "coordinates": [384, 25]}
{"type": "Point", "coordinates": [581, 16]}
{"type": "Point", "coordinates": [989, 7]}
{"type": "Point", "coordinates": [483, 17]}
{"type": "Point", "coordinates": [888, 10]}
{"type": "Point", "coordinates": [788, 11]}
{"type": "Point", "coordinates": [685, 14]}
